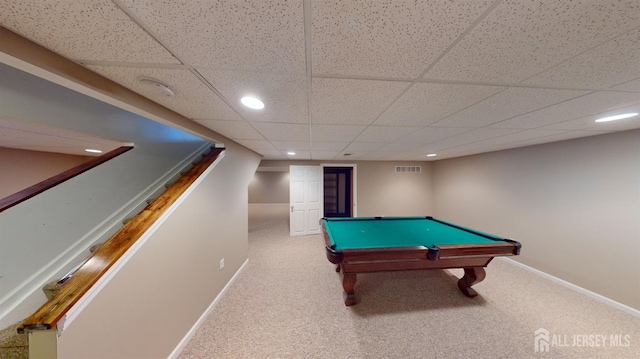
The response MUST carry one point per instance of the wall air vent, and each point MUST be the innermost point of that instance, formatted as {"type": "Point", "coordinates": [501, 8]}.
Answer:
{"type": "Point", "coordinates": [408, 169]}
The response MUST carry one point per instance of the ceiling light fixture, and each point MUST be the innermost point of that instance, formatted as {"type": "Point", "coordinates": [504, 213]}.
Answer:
{"type": "Point", "coordinates": [431, 155]}
{"type": "Point", "coordinates": [92, 150]}
{"type": "Point", "coordinates": [617, 117]}
{"type": "Point", "coordinates": [252, 102]}
{"type": "Point", "coordinates": [290, 153]}
{"type": "Point", "coordinates": [155, 87]}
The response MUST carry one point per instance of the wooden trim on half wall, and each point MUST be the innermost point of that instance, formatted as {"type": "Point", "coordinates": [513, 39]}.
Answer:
{"type": "Point", "coordinates": [25, 194]}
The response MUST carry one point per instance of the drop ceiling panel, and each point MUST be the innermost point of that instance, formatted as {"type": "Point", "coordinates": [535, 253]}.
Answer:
{"type": "Point", "coordinates": [567, 135]}
{"type": "Point", "coordinates": [506, 104]}
{"type": "Point", "coordinates": [378, 156]}
{"type": "Point", "coordinates": [54, 136]}
{"type": "Point", "coordinates": [420, 157]}
{"type": "Point", "coordinates": [291, 145]}
{"type": "Point", "coordinates": [604, 66]}
{"type": "Point", "coordinates": [574, 108]}
{"type": "Point", "coordinates": [396, 38]}
{"type": "Point", "coordinates": [520, 39]}
{"type": "Point", "coordinates": [83, 29]}
{"type": "Point", "coordinates": [324, 155]}
{"type": "Point", "coordinates": [346, 156]}
{"type": "Point", "coordinates": [426, 103]}
{"type": "Point", "coordinates": [284, 95]}
{"type": "Point", "coordinates": [339, 76]}
{"type": "Point", "coordinates": [351, 102]}
{"type": "Point", "coordinates": [398, 146]}
{"type": "Point", "coordinates": [272, 154]}
{"type": "Point", "coordinates": [235, 130]}
{"type": "Point", "coordinates": [470, 137]}
{"type": "Point", "coordinates": [482, 146]}
{"type": "Point", "coordinates": [258, 145]}
{"type": "Point", "coordinates": [363, 146]}
{"type": "Point", "coordinates": [589, 123]}
{"type": "Point", "coordinates": [432, 134]}
{"type": "Point", "coordinates": [384, 133]}
{"type": "Point", "coordinates": [231, 34]}
{"type": "Point", "coordinates": [192, 98]}
{"type": "Point", "coordinates": [416, 154]}
{"type": "Point", "coordinates": [18, 145]}
{"type": "Point", "coordinates": [39, 140]}
{"type": "Point", "coordinates": [471, 149]}
{"type": "Point", "coordinates": [34, 136]}
{"type": "Point", "coordinates": [326, 133]}
{"type": "Point", "coordinates": [633, 85]}
{"type": "Point", "coordinates": [328, 146]}
{"type": "Point", "coordinates": [300, 155]}
{"type": "Point", "coordinates": [283, 131]}
{"type": "Point", "coordinates": [511, 139]}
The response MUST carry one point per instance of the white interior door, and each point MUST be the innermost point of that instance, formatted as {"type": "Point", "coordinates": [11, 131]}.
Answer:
{"type": "Point", "coordinates": [305, 199]}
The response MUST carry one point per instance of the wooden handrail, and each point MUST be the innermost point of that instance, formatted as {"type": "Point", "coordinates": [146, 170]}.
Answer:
{"type": "Point", "coordinates": [113, 249]}
{"type": "Point", "coordinates": [40, 187]}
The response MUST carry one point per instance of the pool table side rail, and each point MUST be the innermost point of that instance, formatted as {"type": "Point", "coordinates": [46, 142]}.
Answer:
{"type": "Point", "coordinates": [412, 264]}
{"type": "Point", "coordinates": [478, 250]}
{"type": "Point", "coordinates": [380, 254]}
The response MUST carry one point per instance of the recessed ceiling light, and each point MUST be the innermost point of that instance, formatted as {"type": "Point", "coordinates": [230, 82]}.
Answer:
{"type": "Point", "coordinates": [291, 153]}
{"type": "Point", "coordinates": [617, 117]}
{"type": "Point", "coordinates": [252, 102]}
{"type": "Point", "coordinates": [92, 150]}
{"type": "Point", "coordinates": [431, 155]}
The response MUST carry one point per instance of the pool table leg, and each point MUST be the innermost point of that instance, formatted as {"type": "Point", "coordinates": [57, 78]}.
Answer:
{"type": "Point", "coordinates": [471, 276]}
{"type": "Point", "coordinates": [348, 282]}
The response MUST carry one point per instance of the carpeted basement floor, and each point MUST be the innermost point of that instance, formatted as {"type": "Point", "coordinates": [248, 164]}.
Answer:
{"type": "Point", "coordinates": [287, 303]}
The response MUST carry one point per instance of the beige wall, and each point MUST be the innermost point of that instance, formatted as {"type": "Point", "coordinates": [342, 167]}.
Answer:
{"type": "Point", "coordinates": [269, 187]}
{"type": "Point", "coordinates": [20, 169]}
{"type": "Point", "coordinates": [381, 191]}
{"type": "Point", "coordinates": [153, 302]}
{"type": "Point", "coordinates": [574, 205]}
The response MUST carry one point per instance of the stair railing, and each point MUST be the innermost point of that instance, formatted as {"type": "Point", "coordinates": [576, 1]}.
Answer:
{"type": "Point", "coordinates": [81, 281]}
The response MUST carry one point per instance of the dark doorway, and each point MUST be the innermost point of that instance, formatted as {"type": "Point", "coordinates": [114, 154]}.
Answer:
{"type": "Point", "coordinates": [337, 191]}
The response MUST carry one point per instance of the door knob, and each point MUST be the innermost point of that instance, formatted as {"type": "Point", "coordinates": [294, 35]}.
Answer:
{"type": "Point", "coordinates": [291, 209]}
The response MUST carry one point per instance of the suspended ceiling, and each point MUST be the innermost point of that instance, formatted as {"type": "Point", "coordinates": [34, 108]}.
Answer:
{"type": "Point", "coordinates": [362, 80]}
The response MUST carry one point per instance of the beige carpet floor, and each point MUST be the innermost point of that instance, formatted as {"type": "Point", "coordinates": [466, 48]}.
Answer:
{"type": "Point", "coordinates": [287, 303]}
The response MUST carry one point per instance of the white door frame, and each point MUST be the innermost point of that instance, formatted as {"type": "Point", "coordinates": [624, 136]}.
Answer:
{"type": "Point", "coordinates": [354, 212]}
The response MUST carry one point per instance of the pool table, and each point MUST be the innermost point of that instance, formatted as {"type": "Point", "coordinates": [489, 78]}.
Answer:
{"type": "Point", "coordinates": [379, 244]}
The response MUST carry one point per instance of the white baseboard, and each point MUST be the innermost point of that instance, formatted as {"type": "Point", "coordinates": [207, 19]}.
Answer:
{"type": "Point", "coordinates": [610, 302]}
{"type": "Point", "coordinates": [183, 343]}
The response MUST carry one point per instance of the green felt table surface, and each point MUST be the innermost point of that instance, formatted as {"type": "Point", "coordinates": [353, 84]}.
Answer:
{"type": "Point", "coordinates": [393, 232]}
